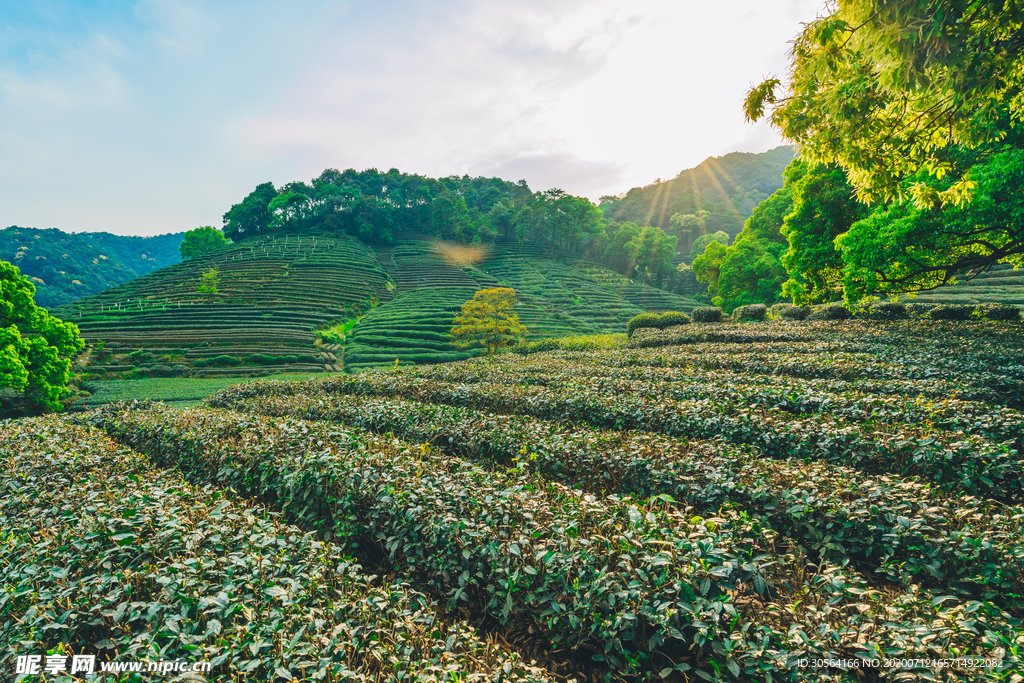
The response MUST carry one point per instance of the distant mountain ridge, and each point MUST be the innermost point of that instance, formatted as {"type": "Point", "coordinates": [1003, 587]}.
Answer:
{"type": "Point", "coordinates": [65, 267]}
{"type": "Point", "coordinates": [729, 187]}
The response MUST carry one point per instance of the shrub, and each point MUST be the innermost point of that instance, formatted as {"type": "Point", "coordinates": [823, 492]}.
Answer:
{"type": "Point", "coordinates": [672, 318]}
{"type": "Point", "coordinates": [642, 320]}
{"type": "Point", "coordinates": [787, 311]}
{"type": "Point", "coordinates": [998, 311]}
{"type": "Point", "coordinates": [887, 310]}
{"type": "Point", "coordinates": [707, 314]}
{"type": "Point", "coordinates": [161, 370]}
{"type": "Point", "coordinates": [951, 312]}
{"type": "Point", "coordinates": [918, 309]}
{"type": "Point", "coordinates": [750, 313]}
{"type": "Point", "coordinates": [830, 312]}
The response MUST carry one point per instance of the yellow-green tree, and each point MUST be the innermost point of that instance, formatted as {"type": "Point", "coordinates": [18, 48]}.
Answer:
{"type": "Point", "coordinates": [209, 282]}
{"type": "Point", "coordinates": [488, 319]}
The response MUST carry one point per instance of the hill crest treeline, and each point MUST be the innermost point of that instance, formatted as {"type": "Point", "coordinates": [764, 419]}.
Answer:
{"type": "Point", "coordinates": [634, 235]}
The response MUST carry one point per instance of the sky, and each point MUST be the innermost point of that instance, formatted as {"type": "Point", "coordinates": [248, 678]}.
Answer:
{"type": "Point", "coordinates": [153, 117]}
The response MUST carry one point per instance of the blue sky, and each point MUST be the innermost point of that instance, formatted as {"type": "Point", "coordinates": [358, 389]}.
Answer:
{"type": "Point", "coordinates": [153, 117]}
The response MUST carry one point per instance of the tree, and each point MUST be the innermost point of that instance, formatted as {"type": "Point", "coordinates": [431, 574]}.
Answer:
{"type": "Point", "coordinates": [209, 282]}
{"type": "Point", "coordinates": [751, 271]}
{"type": "Point", "coordinates": [909, 248]}
{"type": "Point", "coordinates": [250, 217]}
{"type": "Point", "coordinates": [910, 99]}
{"type": "Point", "coordinates": [650, 252]}
{"type": "Point", "coordinates": [708, 265]}
{"type": "Point", "coordinates": [823, 207]}
{"type": "Point", "coordinates": [704, 240]}
{"type": "Point", "coordinates": [201, 241]}
{"type": "Point", "coordinates": [488, 319]}
{"type": "Point", "coordinates": [616, 254]}
{"type": "Point", "coordinates": [35, 347]}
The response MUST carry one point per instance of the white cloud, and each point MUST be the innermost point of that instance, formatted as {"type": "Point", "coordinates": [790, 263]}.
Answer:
{"type": "Point", "coordinates": [158, 117]}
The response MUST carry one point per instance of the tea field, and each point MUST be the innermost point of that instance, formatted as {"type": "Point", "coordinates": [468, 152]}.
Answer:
{"type": "Point", "coordinates": [276, 295]}
{"type": "Point", "coordinates": [777, 501]}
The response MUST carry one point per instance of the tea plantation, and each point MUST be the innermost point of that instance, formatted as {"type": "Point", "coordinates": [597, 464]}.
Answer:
{"type": "Point", "coordinates": [1002, 285]}
{"type": "Point", "coordinates": [275, 292]}
{"type": "Point", "coordinates": [774, 501]}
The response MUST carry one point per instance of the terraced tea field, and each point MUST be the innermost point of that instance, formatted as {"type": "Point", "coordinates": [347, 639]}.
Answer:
{"type": "Point", "coordinates": [1002, 285]}
{"type": "Point", "coordinates": [557, 297]}
{"type": "Point", "coordinates": [276, 291]}
{"type": "Point", "coordinates": [780, 501]}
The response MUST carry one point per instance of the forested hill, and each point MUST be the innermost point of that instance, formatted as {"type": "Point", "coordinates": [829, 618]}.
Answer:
{"type": "Point", "coordinates": [65, 267]}
{"type": "Point", "coordinates": [727, 187]}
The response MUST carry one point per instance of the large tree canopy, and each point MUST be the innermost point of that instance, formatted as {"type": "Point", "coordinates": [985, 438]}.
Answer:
{"type": "Point", "coordinates": [35, 347]}
{"type": "Point", "coordinates": [907, 248]}
{"type": "Point", "coordinates": [822, 208]}
{"type": "Point", "coordinates": [201, 241]}
{"type": "Point", "coordinates": [911, 100]}
{"type": "Point", "coordinates": [751, 271]}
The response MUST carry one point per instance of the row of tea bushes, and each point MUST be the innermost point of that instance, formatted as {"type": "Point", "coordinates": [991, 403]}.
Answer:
{"type": "Point", "coordinates": [796, 396]}
{"type": "Point", "coordinates": [903, 530]}
{"type": "Point", "coordinates": [103, 554]}
{"type": "Point", "coordinates": [879, 310]}
{"type": "Point", "coordinates": [952, 461]}
{"type": "Point", "coordinates": [635, 583]}
{"type": "Point", "coordinates": [674, 366]}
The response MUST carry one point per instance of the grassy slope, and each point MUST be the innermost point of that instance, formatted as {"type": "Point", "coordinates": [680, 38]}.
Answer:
{"type": "Point", "coordinates": [559, 296]}
{"type": "Point", "coordinates": [182, 392]}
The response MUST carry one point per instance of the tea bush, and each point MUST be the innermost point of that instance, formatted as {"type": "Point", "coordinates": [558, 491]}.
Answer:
{"type": "Point", "coordinates": [672, 319]}
{"type": "Point", "coordinates": [750, 313]}
{"type": "Point", "coordinates": [887, 310]}
{"type": "Point", "coordinates": [787, 311]}
{"type": "Point", "coordinates": [998, 311]}
{"type": "Point", "coordinates": [642, 321]}
{"type": "Point", "coordinates": [707, 475]}
{"type": "Point", "coordinates": [516, 545]}
{"type": "Point", "coordinates": [830, 312]}
{"type": "Point", "coordinates": [951, 312]}
{"type": "Point", "coordinates": [707, 314]}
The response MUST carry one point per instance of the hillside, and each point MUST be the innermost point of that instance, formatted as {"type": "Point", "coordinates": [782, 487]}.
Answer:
{"type": "Point", "coordinates": [728, 187]}
{"type": "Point", "coordinates": [68, 266]}
{"type": "Point", "coordinates": [1002, 285]}
{"type": "Point", "coordinates": [275, 292]}
{"type": "Point", "coordinates": [272, 294]}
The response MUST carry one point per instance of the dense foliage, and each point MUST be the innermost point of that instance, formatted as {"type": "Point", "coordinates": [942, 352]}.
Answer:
{"type": "Point", "coordinates": [103, 553]}
{"type": "Point", "coordinates": [717, 195]}
{"type": "Point", "coordinates": [488, 319]}
{"type": "Point", "coordinates": [640, 235]}
{"type": "Point", "coordinates": [35, 348]}
{"type": "Point", "coordinates": [201, 241]}
{"type": "Point", "coordinates": [920, 105]}
{"type": "Point", "coordinates": [884, 452]}
{"type": "Point", "coordinates": [708, 502]}
{"type": "Point", "coordinates": [66, 267]}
